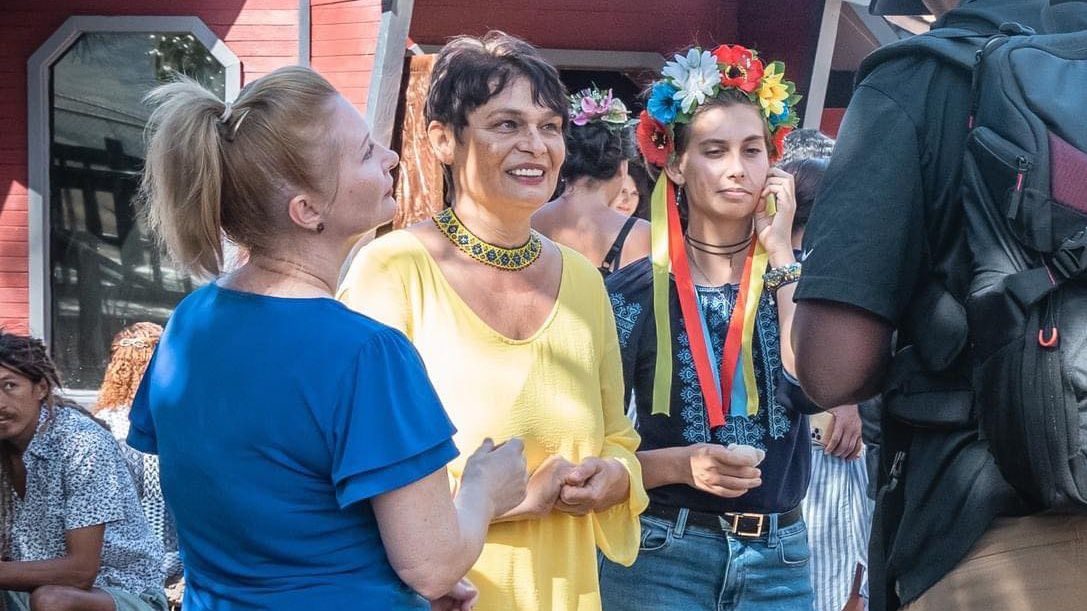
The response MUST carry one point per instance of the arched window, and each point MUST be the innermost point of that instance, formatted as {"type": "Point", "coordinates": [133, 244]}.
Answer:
{"type": "Point", "coordinates": [94, 269]}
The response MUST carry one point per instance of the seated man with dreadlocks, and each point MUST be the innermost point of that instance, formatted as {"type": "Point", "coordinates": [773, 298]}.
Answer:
{"type": "Point", "coordinates": [72, 533]}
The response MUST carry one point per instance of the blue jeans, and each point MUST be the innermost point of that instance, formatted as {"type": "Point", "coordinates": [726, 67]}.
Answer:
{"type": "Point", "coordinates": [694, 569]}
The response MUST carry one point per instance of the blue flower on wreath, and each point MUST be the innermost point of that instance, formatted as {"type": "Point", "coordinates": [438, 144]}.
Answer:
{"type": "Point", "coordinates": [663, 105]}
{"type": "Point", "coordinates": [780, 118]}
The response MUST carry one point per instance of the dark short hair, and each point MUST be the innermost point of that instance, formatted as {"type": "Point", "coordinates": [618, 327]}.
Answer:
{"type": "Point", "coordinates": [469, 71]}
{"type": "Point", "coordinates": [593, 151]}
{"type": "Point", "coordinates": [808, 174]}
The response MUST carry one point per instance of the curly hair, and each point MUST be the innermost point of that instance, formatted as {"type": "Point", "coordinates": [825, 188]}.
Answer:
{"type": "Point", "coordinates": [130, 353]}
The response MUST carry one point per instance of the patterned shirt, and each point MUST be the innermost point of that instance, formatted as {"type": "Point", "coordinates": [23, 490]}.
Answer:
{"type": "Point", "coordinates": [145, 475]}
{"type": "Point", "coordinates": [778, 427]}
{"type": "Point", "coordinates": [75, 478]}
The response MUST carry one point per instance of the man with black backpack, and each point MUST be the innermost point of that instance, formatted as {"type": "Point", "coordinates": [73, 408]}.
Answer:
{"type": "Point", "coordinates": [953, 220]}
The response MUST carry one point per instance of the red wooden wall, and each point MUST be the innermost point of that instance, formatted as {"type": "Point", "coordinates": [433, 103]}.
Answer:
{"type": "Point", "coordinates": [620, 25]}
{"type": "Point", "coordinates": [344, 39]}
{"type": "Point", "coordinates": [781, 29]}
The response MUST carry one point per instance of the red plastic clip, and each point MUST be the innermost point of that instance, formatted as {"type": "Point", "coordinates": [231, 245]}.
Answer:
{"type": "Point", "coordinates": [1050, 342]}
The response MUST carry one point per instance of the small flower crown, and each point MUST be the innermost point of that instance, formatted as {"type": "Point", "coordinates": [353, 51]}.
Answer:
{"type": "Point", "coordinates": [595, 105]}
{"type": "Point", "coordinates": [700, 75]}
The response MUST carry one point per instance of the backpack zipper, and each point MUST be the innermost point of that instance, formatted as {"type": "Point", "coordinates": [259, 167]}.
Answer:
{"type": "Point", "coordinates": [1022, 166]}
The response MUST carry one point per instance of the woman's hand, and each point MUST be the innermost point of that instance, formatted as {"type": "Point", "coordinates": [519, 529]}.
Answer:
{"type": "Point", "coordinates": [462, 597]}
{"type": "Point", "coordinates": [722, 471]}
{"type": "Point", "coordinates": [543, 490]}
{"type": "Point", "coordinates": [776, 232]}
{"type": "Point", "coordinates": [500, 471]}
{"type": "Point", "coordinates": [594, 485]}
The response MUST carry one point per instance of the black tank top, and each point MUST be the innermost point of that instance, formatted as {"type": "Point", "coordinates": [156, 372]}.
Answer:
{"type": "Point", "coordinates": [611, 260]}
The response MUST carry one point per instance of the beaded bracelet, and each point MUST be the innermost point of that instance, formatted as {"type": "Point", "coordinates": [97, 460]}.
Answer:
{"type": "Point", "coordinates": [780, 276]}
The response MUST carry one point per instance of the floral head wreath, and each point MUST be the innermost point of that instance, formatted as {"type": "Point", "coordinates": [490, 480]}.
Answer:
{"type": "Point", "coordinates": [728, 390]}
{"type": "Point", "coordinates": [593, 105]}
{"type": "Point", "coordinates": [688, 81]}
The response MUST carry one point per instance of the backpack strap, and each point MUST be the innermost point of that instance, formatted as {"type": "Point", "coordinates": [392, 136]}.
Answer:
{"type": "Point", "coordinates": [1070, 261]}
{"type": "Point", "coordinates": [956, 46]}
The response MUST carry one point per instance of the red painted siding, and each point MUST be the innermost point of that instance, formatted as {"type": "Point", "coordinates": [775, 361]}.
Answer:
{"type": "Point", "coordinates": [832, 121]}
{"type": "Point", "coordinates": [343, 40]}
{"type": "Point", "coordinates": [619, 25]}
{"type": "Point", "coordinates": [780, 29]}
{"type": "Point", "coordinates": [262, 33]}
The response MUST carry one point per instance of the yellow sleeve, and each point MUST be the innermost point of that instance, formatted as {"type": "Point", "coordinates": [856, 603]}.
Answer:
{"type": "Point", "coordinates": [375, 285]}
{"type": "Point", "coordinates": [617, 529]}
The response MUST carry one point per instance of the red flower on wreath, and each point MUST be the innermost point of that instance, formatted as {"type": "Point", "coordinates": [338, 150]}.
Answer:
{"type": "Point", "coordinates": [741, 67]}
{"type": "Point", "coordinates": [779, 142]}
{"type": "Point", "coordinates": [654, 140]}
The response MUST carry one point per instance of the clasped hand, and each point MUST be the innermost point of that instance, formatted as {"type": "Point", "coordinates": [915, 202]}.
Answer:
{"type": "Point", "coordinates": [593, 485]}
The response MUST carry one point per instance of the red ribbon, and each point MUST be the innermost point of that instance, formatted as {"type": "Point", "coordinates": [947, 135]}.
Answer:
{"type": "Point", "coordinates": [716, 394]}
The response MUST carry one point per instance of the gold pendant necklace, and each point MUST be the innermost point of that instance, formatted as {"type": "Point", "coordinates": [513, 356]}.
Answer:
{"type": "Point", "coordinates": [510, 259]}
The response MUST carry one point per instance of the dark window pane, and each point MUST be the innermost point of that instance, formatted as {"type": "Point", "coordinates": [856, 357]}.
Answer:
{"type": "Point", "coordinates": [105, 270]}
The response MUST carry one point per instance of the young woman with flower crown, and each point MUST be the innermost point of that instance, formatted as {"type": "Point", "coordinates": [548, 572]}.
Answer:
{"type": "Point", "coordinates": [704, 331]}
{"type": "Point", "coordinates": [595, 170]}
{"type": "Point", "coordinates": [516, 331]}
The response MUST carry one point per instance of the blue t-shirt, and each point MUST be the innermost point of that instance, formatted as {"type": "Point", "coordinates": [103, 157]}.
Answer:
{"type": "Point", "coordinates": [276, 421]}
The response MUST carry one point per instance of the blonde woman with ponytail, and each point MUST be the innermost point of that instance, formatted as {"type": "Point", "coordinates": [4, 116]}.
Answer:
{"type": "Point", "coordinates": [302, 447]}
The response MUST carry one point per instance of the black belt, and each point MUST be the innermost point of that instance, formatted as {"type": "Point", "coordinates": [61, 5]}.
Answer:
{"type": "Point", "coordinates": [746, 525]}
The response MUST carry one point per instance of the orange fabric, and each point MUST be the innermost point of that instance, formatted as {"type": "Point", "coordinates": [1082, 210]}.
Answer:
{"type": "Point", "coordinates": [419, 188]}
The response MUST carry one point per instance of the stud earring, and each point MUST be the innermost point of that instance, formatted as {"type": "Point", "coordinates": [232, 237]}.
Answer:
{"type": "Point", "coordinates": [320, 227]}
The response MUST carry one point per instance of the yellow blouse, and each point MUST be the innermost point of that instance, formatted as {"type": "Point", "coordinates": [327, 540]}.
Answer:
{"type": "Point", "coordinates": [559, 390]}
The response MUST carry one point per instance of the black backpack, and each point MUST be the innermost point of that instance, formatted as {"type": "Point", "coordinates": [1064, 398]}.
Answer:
{"type": "Point", "coordinates": [1025, 197]}
{"type": "Point", "coordinates": [1024, 190]}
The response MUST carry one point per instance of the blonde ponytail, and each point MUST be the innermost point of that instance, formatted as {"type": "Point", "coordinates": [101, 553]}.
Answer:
{"type": "Point", "coordinates": [183, 175]}
{"type": "Point", "coordinates": [214, 169]}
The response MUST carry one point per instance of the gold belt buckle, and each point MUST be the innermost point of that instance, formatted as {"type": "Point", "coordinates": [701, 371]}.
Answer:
{"type": "Point", "coordinates": [736, 530]}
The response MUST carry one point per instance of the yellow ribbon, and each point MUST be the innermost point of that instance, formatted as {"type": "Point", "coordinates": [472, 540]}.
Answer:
{"type": "Point", "coordinates": [751, 307]}
{"type": "Point", "coordinates": [658, 211]}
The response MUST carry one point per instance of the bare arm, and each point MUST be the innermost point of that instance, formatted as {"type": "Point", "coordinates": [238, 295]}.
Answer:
{"type": "Point", "coordinates": [708, 467]}
{"type": "Point", "coordinates": [76, 569]}
{"type": "Point", "coordinates": [432, 540]}
{"type": "Point", "coordinates": [842, 352]}
{"type": "Point", "coordinates": [638, 244]}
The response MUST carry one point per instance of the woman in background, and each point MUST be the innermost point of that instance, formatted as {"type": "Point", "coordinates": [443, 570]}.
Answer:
{"type": "Point", "coordinates": [130, 352]}
{"type": "Point", "coordinates": [593, 176]}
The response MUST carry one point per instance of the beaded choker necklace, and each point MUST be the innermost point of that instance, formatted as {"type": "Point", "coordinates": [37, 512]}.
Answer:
{"type": "Point", "coordinates": [510, 259]}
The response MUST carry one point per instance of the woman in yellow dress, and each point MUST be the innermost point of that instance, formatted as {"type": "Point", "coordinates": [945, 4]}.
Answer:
{"type": "Point", "coordinates": [517, 332]}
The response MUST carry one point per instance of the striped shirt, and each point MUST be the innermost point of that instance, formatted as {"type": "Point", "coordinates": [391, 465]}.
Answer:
{"type": "Point", "coordinates": [839, 516]}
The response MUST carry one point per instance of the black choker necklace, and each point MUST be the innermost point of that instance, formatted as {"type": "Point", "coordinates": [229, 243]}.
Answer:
{"type": "Point", "coordinates": [744, 241]}
{"type": "Point", "coordinates": [720, 249]}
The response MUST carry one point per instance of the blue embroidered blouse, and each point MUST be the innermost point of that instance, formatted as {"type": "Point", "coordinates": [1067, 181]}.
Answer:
{"type": "Point", "coordinates": [779, 427]}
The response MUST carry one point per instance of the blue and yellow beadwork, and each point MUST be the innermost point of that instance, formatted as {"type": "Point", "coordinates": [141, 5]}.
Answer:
{"type": "Point", "coordinates": [510, 259]}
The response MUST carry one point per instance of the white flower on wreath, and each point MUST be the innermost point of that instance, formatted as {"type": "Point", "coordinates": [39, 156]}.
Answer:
{"type": "Point", "coordinates": [695, 76]}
